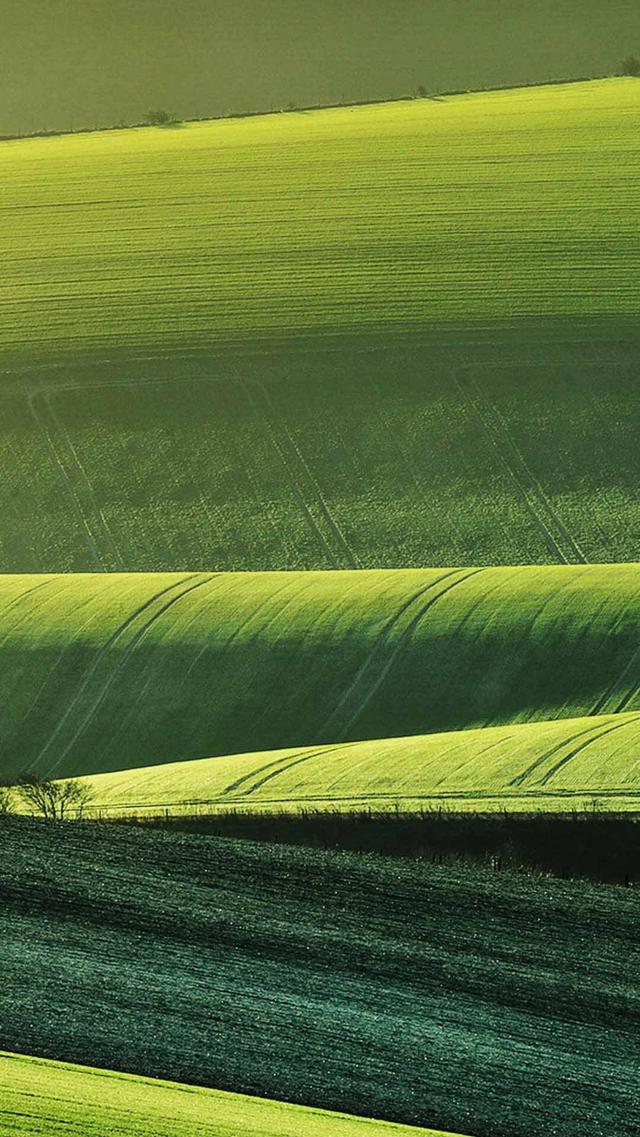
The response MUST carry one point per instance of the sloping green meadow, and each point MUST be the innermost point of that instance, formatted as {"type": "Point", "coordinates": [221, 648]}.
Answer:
{"type": "Point", "coordinates": [39, 1098]}
{"type": "Point", "coordinates": [111, 671]}
{"type": "Point", "coordinates": [566, 764]}
{"type": "Point", "coordinates": [379, 336]}
{"type": "Point", "coordinates": [502, 205]}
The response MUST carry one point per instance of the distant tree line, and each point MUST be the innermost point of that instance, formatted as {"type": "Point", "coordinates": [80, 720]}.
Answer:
{"type": "Point", "coordinates": [160, 116]}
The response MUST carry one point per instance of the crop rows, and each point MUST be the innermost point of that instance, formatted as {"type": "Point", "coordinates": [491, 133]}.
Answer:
{"type": "Point", "coordinates": [505, 205]}
{"type": "Point", "coordinates": [41, 1098]}
{"type": "Point", "coordinates": [452, 998]}
{"type": "Point", "coordinates": [375, 458]}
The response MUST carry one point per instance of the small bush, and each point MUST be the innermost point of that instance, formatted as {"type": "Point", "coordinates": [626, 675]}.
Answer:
{"type": "Point", "coordinates": [157, 118]}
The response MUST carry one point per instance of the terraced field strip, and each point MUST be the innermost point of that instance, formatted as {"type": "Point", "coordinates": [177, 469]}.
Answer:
{"type": "Point", "coordinates": [104, 670]}
{"type": "Point", "coordinates": [387, 218]}
{"type": "Point", "coordinates": [110, 671]}
{"type": "Point", "coordinates": [40, 1098]}
{"type": "Point", "coordinates": [368, 457]}
{"type": "Point", "coordinates": [541, 766]}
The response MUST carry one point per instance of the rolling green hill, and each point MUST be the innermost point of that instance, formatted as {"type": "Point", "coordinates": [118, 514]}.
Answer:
{"type": "Point", "coordinates": [40, 1098]}
{"type": "Point", "coordinates": [454, 998]}
{"type": "Point", "coordinates": [390, 335]}
{"type": "Point", "coordinates": [110, 671]}
{"type": "Point", "coordinates": [566, 764]}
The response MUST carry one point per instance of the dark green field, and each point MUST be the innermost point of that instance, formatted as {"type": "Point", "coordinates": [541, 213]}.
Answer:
{"type": "Point", "coordinates": [354, 458]}
{"type": "Point", "coordinates": [483, 1003]}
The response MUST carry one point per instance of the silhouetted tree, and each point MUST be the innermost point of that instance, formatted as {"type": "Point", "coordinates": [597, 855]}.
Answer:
{"type": "Point", "coordinates": [53, 800]}
{"type": "Point", "coordinates": [422, 92]}
{"type": "Point", "coordinates": [6, 799]}
{"type": "Point", "coordinates": [157, 118]}
{"type": "Point", "coordinates": [631, 66]}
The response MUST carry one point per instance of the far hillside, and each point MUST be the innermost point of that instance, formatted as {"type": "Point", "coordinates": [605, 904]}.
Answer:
{"type": "Point", "coordinates": [401, 334]}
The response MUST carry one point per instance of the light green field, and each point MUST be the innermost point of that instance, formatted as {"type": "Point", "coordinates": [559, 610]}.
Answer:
{"type": "Point", "coordinates": [568, 764]}
{"type": "Point", "coordinates": [110, 671]}
{"type": "Point", "coordinates": [510, 204]}
{"type": "Point", "coordinates": [39, 1098]}
{"type": "Point", "coordinates": [387, 335]}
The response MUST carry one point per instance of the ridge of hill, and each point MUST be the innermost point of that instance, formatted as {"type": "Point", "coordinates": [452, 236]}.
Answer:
{"type": "Point", "coordinates": [108, 671]}
{"type": "Point", "coordinates": [566, 764]}
{"type": "Point", "coordinates": [154, 238]}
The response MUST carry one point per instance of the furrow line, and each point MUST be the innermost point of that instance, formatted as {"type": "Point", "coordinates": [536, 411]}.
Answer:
{"type": "Point", "coordinates": [374, 671]}
{"type": "Point", "coordinates": [100, 656]}
{"type": "Point", "coordinates": [121, 663]}
{"type": "Point", "coordinates": [560, 543]}
{"type": "Point", "coordinates": [271, 434]}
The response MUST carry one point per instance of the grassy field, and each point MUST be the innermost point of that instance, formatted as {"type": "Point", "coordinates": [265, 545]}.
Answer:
{"type": "Point", "coordinates": [109, 671]}
{"type": "Point", "coordinates": [453, 998]}
{"type": "Point", "coordinates": [364, 340]}
{"type": "Point", "coordinates": [40, 1098]}
{"type": "Point", "coordinates": [373, 218]}
{"type": "Point", "coordinates": [558, 765]}
{"type": "Point", "coordinates": [388, 335]}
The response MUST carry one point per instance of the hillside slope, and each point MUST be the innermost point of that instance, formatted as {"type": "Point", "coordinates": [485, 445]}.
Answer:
{"type": "Point", "coordinates": [333, 220]}
{"type": "Point", "coordinates": [565, 764]}
{"type": "Point", "coordinates": [109, 671]}
{"type": "Point", "coordinates": [42, 1098]}
{"type": "Point", "coordinates": [389, 335]}
{"type": "Point", "coordinates": [463, 1000]}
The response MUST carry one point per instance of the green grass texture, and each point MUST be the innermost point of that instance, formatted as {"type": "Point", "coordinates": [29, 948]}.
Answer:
{"type": "Point", "coordinates": [389, 335]}
{"type": "Point", "coordinates": [370, 218]}
{"type": "Point", "coordinates": [454, 998]}
{"type": "Point", "coordinates": [572, 764]}
{"type": "Point", "coordinates": [40, 1098]}
{"type": "Point", "coordinates": [110, 671]}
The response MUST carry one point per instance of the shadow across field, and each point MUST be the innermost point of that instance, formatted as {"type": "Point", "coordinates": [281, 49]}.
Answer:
{"type": "Point", "coordinates": [601, 847]}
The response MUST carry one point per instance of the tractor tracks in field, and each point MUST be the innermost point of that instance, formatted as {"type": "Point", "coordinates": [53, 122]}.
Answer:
{"type": "Point", "coordinates": [303, 483]}
{"type": "Point", "coordinates": [393, 637]}
{"type": "Point", "coordinates": [557, 537]}
{"type": "Point", "coordinates": [584, 738]}
{"type": "Point", "coordinates": [613, 691]}
{"type": "Point", "coordinates": [104, 671]}
{"type": "Point", "coordinates": [66, 459]}
{"type": "Point", "coordinates": [253, 781]}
